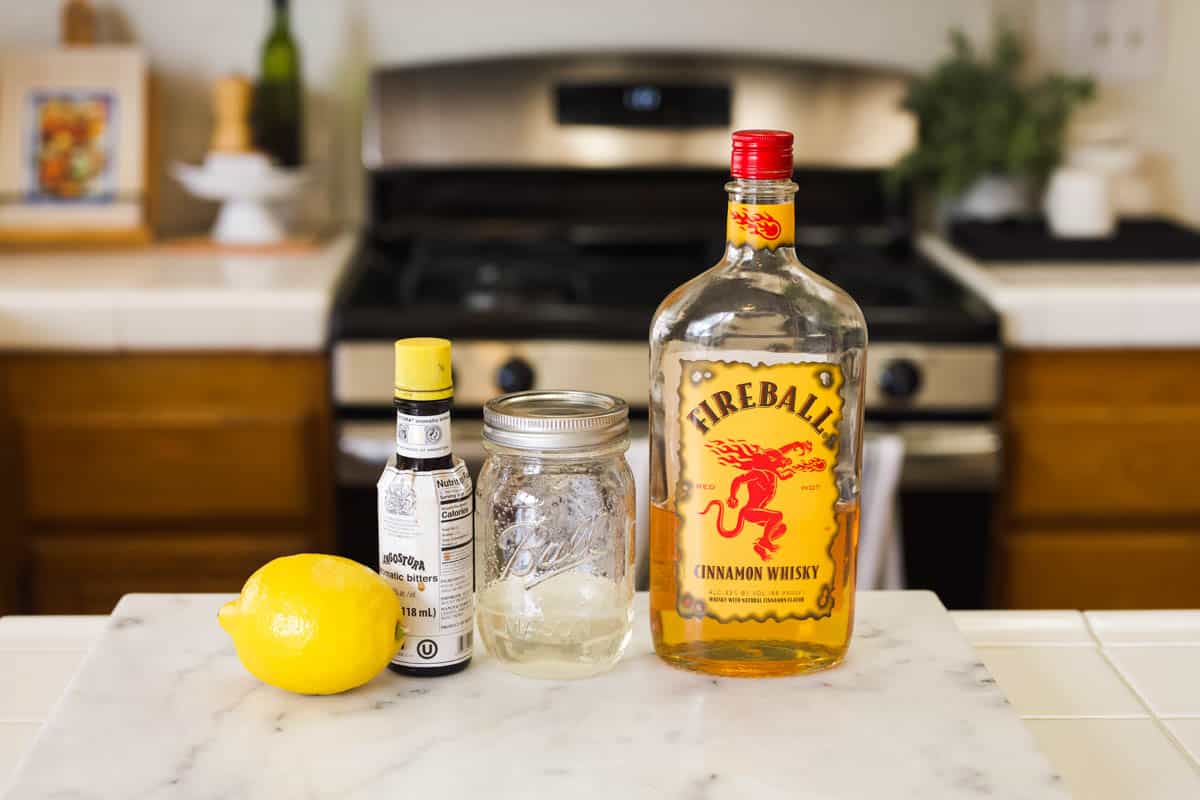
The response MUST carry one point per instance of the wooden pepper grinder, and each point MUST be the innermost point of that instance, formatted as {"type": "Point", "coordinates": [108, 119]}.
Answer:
{"type": "Point", "coordinates": [78, 23]}
{"type": "Point", "coordinates": [231, 107]}
{"type": "Point", "coordinates": [242, 179]}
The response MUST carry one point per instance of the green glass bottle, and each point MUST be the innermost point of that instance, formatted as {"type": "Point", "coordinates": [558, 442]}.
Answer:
{"type": "Point", "coordinates": [279, 98]}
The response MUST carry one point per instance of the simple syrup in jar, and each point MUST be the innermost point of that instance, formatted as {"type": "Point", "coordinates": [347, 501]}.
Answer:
{"type": "Point", "coordinates": [555, 520]}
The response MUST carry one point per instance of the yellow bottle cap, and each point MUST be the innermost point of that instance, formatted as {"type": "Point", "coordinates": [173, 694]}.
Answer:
{"type": "Point", "coordinates": [423, 369]}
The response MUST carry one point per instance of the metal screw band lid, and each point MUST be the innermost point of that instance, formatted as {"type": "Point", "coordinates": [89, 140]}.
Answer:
{"type": "Point", "coordinates": [555, 420]}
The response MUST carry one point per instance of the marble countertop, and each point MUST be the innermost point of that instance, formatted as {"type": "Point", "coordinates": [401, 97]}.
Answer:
{"type": "Point", "coordinates": [1109, 697]}
{"type": "Point", "coordinates": [161, 708]}
{"type": "Point", "coordinates": [1061, 305]}
{"type": "Point", "coordinates": [169, 299]}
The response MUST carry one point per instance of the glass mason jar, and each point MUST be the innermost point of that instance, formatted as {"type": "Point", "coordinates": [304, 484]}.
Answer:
{"type": "Point", "coordinates": [756, 409]}
{"type": "Point", "coordinates": [554, 526]}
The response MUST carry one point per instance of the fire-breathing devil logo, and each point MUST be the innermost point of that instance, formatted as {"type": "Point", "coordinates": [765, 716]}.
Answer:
{"type": "Point", "coordinates": [762, 470]}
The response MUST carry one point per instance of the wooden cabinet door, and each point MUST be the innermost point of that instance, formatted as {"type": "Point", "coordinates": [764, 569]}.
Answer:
{"type": "Point", "coordinates": [12, 542]}
{"type": "Point", "coordinates": [1100, 569]}
{"type": "Point", "coordinates": [1100, 507]}
{"type": "Point", "coordinates": [169, 466]}
{"type": "Point", "coordinates": [165, 472]}
{"type": "Point", "coordinates": [87, 572]}
{"type": "Point", "coordinates": [1104, 465]}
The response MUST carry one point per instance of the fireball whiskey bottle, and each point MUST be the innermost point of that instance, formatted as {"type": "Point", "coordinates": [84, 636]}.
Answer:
{"type": "Point", "coordinates": [756, 374]}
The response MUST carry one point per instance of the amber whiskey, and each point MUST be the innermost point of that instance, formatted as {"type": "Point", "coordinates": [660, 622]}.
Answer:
{"type": "Point", "coordinates": [756, 430]}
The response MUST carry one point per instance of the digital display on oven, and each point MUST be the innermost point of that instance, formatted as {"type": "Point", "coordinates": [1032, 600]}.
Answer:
{"type": "Point", "coordinates": [650, 104]}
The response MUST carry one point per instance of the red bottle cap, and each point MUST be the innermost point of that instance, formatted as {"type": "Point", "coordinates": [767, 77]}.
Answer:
{"type": "Point", "coordinates": [761, 155]}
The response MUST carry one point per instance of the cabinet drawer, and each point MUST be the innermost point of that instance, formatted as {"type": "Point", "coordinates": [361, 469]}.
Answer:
{"type": "Point", "coordinates": [1113, 465]}
{"type": "Point", "coordinates": [1115, 379]}
{"type": "Point", "coordinates": [1098, 569]}
{"type": "Point", "coordinates": [193, 467]}
{"type": "Point", "coordinates": [88, 573]}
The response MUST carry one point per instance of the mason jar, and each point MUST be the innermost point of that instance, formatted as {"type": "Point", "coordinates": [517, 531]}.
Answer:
{"type": "Point", "coordinates": [554, 527]}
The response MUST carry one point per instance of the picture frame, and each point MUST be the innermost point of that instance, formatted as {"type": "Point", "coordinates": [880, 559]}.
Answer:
{"type": "Point", "coordinates": [75, 141]}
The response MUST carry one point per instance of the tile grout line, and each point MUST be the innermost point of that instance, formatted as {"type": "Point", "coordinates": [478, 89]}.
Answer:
{"type": "Point", "coordinates": [1126, 717]}
{"type": "Point", "coordinates": [1059, 645]}
{"type": "Point", "coordinates": [1158, 721]}
{"type": "Point", "coordinates": [1149, 643]}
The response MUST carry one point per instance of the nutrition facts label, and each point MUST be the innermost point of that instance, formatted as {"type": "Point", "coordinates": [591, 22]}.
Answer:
{"type": "Point", "coordinates": [426, 551]}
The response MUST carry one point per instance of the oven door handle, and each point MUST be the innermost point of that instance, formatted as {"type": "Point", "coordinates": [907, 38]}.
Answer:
{"type": "Point", "coordinates": [961, 456]}
{"type": "Point", "coordinates": [937, 455]}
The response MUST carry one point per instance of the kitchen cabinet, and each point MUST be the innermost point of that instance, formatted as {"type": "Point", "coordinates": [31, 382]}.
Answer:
{"type": "Point", "coordinates": [91, 569]}
{"type": "Point", "coordinates": [10, 543]}
{"type": "Point", "coordinates": [1100, 507]}
{"type": "Point", "coordinates": [158, 472]}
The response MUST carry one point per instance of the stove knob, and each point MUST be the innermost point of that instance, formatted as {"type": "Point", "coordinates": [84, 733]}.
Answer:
{"type": "Point", "coordinates": [900, 379]}
{"type": "Point", "coordinates": [514, 375]}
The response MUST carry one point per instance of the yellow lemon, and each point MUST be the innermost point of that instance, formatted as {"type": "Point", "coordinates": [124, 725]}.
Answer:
{"type": "Point", "coordinates": [314, 624]}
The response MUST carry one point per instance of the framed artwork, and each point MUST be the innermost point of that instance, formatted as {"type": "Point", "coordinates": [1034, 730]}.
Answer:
{"type": "Point", "coordinates": [74, 142]}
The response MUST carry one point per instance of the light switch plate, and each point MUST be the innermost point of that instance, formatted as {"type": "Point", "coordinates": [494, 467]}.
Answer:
{"type": "Point", "coordinates": [1115, 39]}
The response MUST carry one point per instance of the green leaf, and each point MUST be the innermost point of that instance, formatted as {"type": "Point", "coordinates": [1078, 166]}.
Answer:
{"type": "Point", "coordinates": [975, 116]}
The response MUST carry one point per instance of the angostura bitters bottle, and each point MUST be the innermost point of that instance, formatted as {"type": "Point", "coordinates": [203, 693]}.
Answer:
{"type": "Point", "coordinates": [756, 374]}
{"type": "Point", "coordinates": [426, 524]}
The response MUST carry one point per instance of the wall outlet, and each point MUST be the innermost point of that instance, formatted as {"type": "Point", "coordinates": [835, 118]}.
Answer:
{"type": "Point", "coordinates": [1115, 39]}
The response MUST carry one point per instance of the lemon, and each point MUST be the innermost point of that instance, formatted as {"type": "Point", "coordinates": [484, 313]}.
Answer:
{"type": "Point", "coordinates": [314, 624]}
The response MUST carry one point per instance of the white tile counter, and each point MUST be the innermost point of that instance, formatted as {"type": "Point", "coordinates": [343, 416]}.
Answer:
{"type": "Point", "coordinates": [1111, 697]}
{"type": "Point", "coordinates": [1062, 306]}
{"type": "Point", "coordinates": [169, 299]}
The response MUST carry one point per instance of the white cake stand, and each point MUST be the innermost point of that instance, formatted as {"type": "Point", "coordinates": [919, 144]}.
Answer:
{"type": "Point", "coordinates": [246, 185]}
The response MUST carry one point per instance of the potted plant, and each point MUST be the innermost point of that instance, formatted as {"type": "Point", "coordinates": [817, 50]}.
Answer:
{"type": "Point", "coordinates": [985, 138]}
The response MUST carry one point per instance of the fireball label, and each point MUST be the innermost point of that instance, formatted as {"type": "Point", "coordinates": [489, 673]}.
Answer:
{"type": "Point", "coordinates": [756, 494]}
{"type": "Point", "coordinates": [767, 225]}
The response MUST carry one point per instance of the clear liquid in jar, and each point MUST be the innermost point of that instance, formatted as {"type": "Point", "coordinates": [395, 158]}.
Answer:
{"type": "Point", "coordinates": [572, 625]}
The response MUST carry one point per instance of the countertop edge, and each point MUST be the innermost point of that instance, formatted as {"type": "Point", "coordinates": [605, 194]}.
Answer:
{"type": "Point", "coordinates": [1079, 307]}
{"type": "Point", "coordinates": [137, 313]}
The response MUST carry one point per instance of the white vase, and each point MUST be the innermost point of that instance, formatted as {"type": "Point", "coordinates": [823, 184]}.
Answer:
{"type": "Point", "coordinates": [249, 188]}
{"type": "Point", "coordinates": [1078, 204]}
{"type": "Point", "coordinates": [992, 198]}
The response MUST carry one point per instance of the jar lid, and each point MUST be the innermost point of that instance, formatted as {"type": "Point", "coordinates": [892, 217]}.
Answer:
{"type": "Point", "coordinates": [555, 420]}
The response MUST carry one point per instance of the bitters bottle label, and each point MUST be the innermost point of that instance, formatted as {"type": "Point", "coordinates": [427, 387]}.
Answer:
{"type": "Point", "coordinates": [426, 536]}
{"type": "Point", "coordinates": [756, 496]}
{"type": "Point", "coordinates": [423, 436]}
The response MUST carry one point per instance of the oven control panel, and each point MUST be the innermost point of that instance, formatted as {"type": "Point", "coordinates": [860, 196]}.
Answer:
{"type": "Point", "coordinates": [362, 370]}
{"type": "Point", "coordinates": [900, 376]}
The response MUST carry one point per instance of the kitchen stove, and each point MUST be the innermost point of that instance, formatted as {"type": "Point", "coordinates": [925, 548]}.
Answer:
{"type": "Point", "coordinates": [546, 275]}
{"type": "Point", "coordinates": [470, 286]}
{"type": "Point", "coordinates": [518, 308]}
